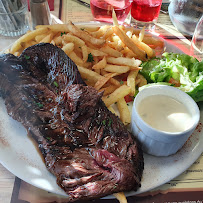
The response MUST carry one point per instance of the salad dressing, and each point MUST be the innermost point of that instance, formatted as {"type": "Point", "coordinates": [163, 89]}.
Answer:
{"type": "Point", "coordinates": [165, 113]}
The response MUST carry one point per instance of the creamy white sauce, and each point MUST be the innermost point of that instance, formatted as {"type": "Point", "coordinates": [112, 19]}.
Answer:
{"type": "Point", "coordinates": [165, 113]}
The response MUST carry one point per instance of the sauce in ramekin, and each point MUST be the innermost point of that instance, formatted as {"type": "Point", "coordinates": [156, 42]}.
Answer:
{"type": "Point", "coordinates": [165, 113]}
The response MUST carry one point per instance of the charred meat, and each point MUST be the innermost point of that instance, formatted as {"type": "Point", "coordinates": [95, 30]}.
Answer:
{"type": "Point", "coordinates": [84, 145]}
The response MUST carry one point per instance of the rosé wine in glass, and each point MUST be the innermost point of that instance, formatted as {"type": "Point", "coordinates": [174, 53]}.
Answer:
{"type": "Point", "coordinates": [145, 10]}
{"type": "Point", "coordinates": [102, 9]}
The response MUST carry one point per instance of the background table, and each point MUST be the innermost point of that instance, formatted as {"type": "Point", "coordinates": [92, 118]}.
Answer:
{"type": "Point", "coordinates": [72, 10]}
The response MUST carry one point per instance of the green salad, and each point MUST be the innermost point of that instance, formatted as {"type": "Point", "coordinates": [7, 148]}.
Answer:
{"type": "Point", "coordinates": [180, 70]}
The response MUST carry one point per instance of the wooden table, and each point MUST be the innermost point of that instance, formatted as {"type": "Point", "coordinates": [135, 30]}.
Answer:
{"type": "Point", "coordinates": [7, 178]}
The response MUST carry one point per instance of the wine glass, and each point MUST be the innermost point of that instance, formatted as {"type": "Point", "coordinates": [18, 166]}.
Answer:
{"type": "Point", "coordinates": [145, 13]}
{"type": "Point", "coordinates": [196, 48]}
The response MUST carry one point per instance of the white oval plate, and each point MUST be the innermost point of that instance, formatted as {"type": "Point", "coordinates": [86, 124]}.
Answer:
{"type": "Point", "coordinates": [19, 155]}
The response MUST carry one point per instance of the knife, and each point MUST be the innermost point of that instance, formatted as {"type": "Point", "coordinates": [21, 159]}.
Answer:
{"type": "Point", "coordinates": [83, 3]}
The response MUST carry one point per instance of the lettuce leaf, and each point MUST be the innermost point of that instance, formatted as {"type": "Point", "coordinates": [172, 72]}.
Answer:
{"type": "Point", "coordinates": [187, 70]}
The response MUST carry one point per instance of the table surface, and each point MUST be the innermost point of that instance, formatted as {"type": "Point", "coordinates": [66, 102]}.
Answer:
{"type": "Point", "coordinates": [7, 178]}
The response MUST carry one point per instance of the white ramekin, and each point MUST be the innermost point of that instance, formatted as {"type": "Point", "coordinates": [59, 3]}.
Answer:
{"type": "Point", "coordinates": [156, 142]}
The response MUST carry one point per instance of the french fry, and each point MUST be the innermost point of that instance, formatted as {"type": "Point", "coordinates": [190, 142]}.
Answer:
{"type": "Point", "coordinates": [136, 31]}
{"type": "Point", "coordinates": [103, 72]}
{"type": "Point", "coordinates": [84, 53]}
{"type": "Point", "coordinates": [121, 197]}
{"type": "Point", "coordinates": [89, 82]}
{"type": "Point", "coordinates": [58, 40]}
{"type": "Point", "coordinates": [130, 54]}
{"type": "Point", "coordinates": [116, 69]}
{"type": "Point", "coordinates": [98, 71]}
{"type": "Point", "coordinates": [124, 111]}
{"type": "Point", "coordinates": [118, 41]}
{"type": "Point", "coordinates": [143, 81]}
{"type": "Point", "coordinates": [89, 28]}
{"type": "Point", "coordinates": [141, 34]}
{"type": "Point", "coordinates": [155, 42]}
{"type": "Point", "coordinates": [119, 93]}
{"type": "Point", "coordinates": [124, 61]}
{"type": "Point", "coordinates": [16, 53]}
{"type": "Point", "coordinates": [110, 108]}
{"type": "Point", "coordinates": [112, 80]}
{"type": "Point", "coordinates": [108, 90]}
{"type": "Point", "coordinates": [116, 46]}
{"type": "Point", "coordinates": [129, 33]}
{"type": "Point", "coordinates": [129, 43]}
{"type": "Point", "coordinates": [137, 81]}
{"type": "Point", "coordinates": [108, 33]}
{"type": "Point", "coordinates": [78, 51]}
{"type": "Point", "coordinates": [101, 31]}
{"type": "Point", "coordinates": [125, 50]}
{"type": "Point", "coordinates": [25, 45]}
{"type": "Point", "coordinates": [84, 35]}
{"type": "Point", "coordinates": [149, 51]}
{"type": "Point", "coordinates": [55, 28]}
{"type": "Point", "coordinates": [38, 38]}
{"type": "Point", "coordinates": [89, 74]}
{"type": "Point", "coordinates": [110, 51]}
{"type": "Point", "coordinates": [115, 21]}
{"type": "Point", "coordinates": [76, 40]}
{"type": "Point", "coordinates": [27, 37]}
{"type": "Point", "coordinates": [96, 52]}
{"type": "Point", "coordinates": [87, 65]}
{"type": "Point", "coordinates": [68, 48]}
{"type": "Point", "coordinates": [102, 81]}
{"type": "Point", "coordinates": [131, 81]}
{"type": "Point", "coordinates": [33, 42]}
{"type": "Point", "coordinates": [100, 65]}
{"type": "Point", "coordinates": [96, 60]}
{"type": "Point", "coordinates": [77, 60]}
{"type": "Point", "coordinates": [47, 39]}
{"type": "Point", "coordinates": [52, 42]}
{"type": "Point", "coordinates": [115, 82]}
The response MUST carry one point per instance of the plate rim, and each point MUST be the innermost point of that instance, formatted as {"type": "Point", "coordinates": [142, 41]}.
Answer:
{"type": "Point", "coordinates": [167, 43]}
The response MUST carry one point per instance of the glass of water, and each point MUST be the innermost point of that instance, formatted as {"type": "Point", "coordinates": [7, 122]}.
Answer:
{"type": "Point", "coordinates": [196, 48]}
{"type": "Point", "coordinates": [14, 18]}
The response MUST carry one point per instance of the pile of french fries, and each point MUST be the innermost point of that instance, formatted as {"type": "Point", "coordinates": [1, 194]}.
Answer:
{"type": "Point", "coordinates": [108, 57]}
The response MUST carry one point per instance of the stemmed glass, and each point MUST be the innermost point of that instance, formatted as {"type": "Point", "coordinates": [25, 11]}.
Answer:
{"type": "Point", "coordinates": [196, 48]}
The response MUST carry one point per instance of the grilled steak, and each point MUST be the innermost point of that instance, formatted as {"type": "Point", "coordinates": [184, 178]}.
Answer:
{"type": "Point", "coordinates": [84, 145]}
